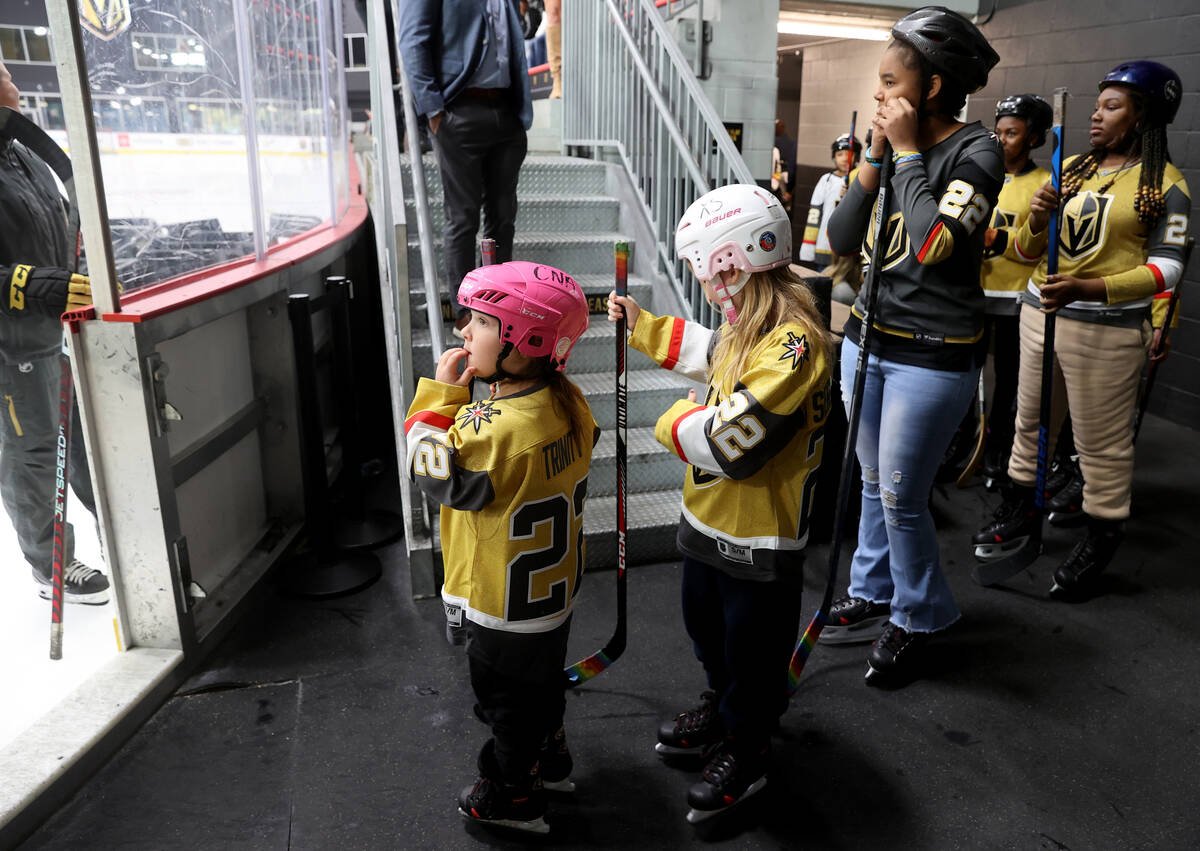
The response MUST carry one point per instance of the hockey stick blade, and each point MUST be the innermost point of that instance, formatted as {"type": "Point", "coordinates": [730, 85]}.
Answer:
{"type": "Point", "coordinates": [994, 572]}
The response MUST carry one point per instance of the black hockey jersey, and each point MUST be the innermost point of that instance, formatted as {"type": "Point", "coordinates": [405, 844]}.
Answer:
{"type": "Point", "coordinates": [929, 293]}
{"type": "Point", "coordinates": [752, 449]}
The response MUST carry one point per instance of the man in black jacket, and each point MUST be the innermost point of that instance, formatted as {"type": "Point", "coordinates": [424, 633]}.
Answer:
{"type": "Point", "coordinates": [36, 286]}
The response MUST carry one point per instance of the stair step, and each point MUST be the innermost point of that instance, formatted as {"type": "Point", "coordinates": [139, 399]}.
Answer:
{"type": "Point", "coordinates": [651, 521]}
{"type": "Point", "coordinates": [575, 252]}
{"type": "Point", "coordinates": [540, 175]}
{"type": "Point", "coordinates": [540, 213]}
{"type": "Point", "coordinates": [649, 467]}
{"type": "Point", "coordinates": [649, 393]}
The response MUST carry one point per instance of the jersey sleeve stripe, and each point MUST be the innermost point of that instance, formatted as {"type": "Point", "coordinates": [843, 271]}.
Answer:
{"type": "Point", "coordinates": [1160, 282]}
{"type": "Point", "coordinates": [431, 418]}
{"type": "Point", "coordinates": [933, 239]}
{"type": "Point", "coordinates": [676, 343]}
{"type": "Point", "coordinates": [1029, 257]}
{"type": "Point", "coordinates": [675, 430]}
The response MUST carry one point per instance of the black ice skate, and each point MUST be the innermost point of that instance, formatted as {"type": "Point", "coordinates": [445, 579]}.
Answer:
{"type": "Point", "coordinates": [1066, 507]}
{"type": "Point", "coordinates": [1011, 542]}
{"type": "Point", "coordinates": [853, 620]}
{"type": "Point", "coordinates": [693, 732]}
{"type": "Point", "coordinates": [81, 584]}
{"type": "Point", "coordinates": [555, 763]}
{"type": "Point", "coordinates": [731, 776]}
{"type": "Point", "coordinates": [894, 655]}
{"type": "Point", "coordinates": [492, 801]}
{"type": "Point", "coordinates": [1089, 558]}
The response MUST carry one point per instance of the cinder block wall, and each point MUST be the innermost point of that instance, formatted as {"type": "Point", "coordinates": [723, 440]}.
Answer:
{"type": "Point", "coordinates": [1044, 44]}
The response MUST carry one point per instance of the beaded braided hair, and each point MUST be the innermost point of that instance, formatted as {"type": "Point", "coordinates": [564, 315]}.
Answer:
{"type": "Point", "coordinates": [1150, 140]}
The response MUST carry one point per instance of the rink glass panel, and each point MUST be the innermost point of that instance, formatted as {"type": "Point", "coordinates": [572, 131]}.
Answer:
{"type": "Point", "coordinates": [168, 101]}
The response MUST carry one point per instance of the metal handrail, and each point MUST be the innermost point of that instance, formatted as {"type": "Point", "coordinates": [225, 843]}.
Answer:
{"type": "Point", "coordinates": [629, 88]}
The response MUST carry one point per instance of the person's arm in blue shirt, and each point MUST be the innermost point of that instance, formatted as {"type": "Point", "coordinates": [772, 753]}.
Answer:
{"type": "Point", "coordinates": [420, 23]}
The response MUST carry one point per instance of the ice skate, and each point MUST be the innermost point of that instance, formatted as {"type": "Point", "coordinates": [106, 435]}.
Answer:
{"type": "Point", "coordinates": [1088, 559]}
{"type": "Point", "coordinates": [493, 802]}
{"type": "Point", "coordinates": [1066, 507]}
{"type": "Point", "coordinates": [555, 763]}
{"type": "Point", "coordinates": [1012, 526]}
{"type": "Point", "coordinates": [81, 584]}
{"type": "Point", "coordinates": [693, 732]}
{"type": "Point", "coordinates": [729, 778]}
{"type": "Point", "coordinates": [853, 620]}
{"type": "Point", "coordinates": [894, 655]}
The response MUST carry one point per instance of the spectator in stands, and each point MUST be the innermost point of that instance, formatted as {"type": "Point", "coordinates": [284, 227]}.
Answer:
{"type": "Point", "coordinates": [465, 61]}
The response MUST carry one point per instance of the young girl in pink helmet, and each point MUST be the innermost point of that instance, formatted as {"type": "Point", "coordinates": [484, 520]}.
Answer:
{"type": "Point", "coordinates": [510, 471]}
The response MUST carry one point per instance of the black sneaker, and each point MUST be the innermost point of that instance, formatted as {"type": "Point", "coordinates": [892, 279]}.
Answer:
{"type": "Point", "coordinates": [694, 731]}
{"type": "Point", "coordinates": [1089, 557]}
{"type": "Point", "coordinates": [1066, 507]}
{"type": "Point", "coordinates": [853, 620]}
{"type": "Point", "coordinates": [1015, 520]}
{"type": "Point", "coordinates": [894, 653]}
{"type": "Point", "coordinates": [555, 763]}
{"type": "Point", "coordinates": [494, 802]}
{"type": "Point", "coordinates": [731, 776]}
{"type": "Point", "coordinates": [81, 584]}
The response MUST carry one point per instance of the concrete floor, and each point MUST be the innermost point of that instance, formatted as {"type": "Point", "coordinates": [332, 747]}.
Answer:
{"type": "Point", "coordinates": [1039, 724]}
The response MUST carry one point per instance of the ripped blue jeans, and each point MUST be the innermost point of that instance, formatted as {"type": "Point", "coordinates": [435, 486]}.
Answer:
{"type": "Point", "coordinates": [909, 414]}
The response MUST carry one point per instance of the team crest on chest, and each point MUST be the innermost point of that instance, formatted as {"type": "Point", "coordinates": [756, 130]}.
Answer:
{"type": "Point", "coordinates": [895, 242]}
{"type": "Point", "coordinates": [1003, 218]}
{"type": "Point", "coordinates": [795, 349]}
{"type": "Point", "coordinates": [478, 414]}
{"type": "Point", "coordinates": [1084, 224]}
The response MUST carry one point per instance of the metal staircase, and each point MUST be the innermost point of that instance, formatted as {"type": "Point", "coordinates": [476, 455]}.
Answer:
{"type": "Point", "coordinates": [567, 218]}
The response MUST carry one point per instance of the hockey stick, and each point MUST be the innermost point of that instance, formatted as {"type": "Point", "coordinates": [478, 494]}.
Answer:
{"type": "Point", "coordinates": [487, 249]}
{"type": "Point", "coordinates": [1152, 366]}
{"type": "Point", "coordinates": [992, 572]}
{"type": "Point", "coordinates": [964, 478]}
{"type": "Point", "coordinates": [850, 165]}
{"type": "Point", "coordinates": [585, 669]}
{"type": "Point", "coordinates": [16, 126]}
{"type": "Point", "coordinates": [812, 632]}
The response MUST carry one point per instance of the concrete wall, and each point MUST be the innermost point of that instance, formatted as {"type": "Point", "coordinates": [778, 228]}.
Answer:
{"type": "Point", "coordinates": [742, 85]}
{"type": "Point", "coordinates": [1044, 44]}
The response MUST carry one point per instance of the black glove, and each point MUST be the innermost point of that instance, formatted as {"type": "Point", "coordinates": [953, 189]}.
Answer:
{"type": "Point", "coordinates": [531, 19]}
{"type": "Point", "coordinates": [43, 291]}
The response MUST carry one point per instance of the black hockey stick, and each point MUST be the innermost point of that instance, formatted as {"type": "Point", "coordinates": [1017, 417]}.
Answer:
{"type": "Point", "coordinates": [850, 165]}
{"type": "Point", "coordinates": [1152, 366]}
{"type": "Point", "coordinates": [992, 572]}
{"type": "Point", "coordinates": [13, 125]}
{"type": "Point", "coordinates": [870, 293]}
{"type": "Point", "coordinates": [585, 669]}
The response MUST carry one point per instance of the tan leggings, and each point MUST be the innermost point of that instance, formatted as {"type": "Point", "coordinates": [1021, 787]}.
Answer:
{"type": "Point", "coordinates": [1096, 371]}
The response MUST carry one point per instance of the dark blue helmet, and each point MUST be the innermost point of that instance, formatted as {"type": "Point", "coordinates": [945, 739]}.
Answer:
{"type": "Point", "coordinates": [1160, 86]}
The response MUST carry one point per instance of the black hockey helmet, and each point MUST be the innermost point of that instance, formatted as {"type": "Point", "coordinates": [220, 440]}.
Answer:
{"type": "Point", "coordinates": [950, 43]}
{"type": "Point", "coordinates": [1035, 112]}
{"type": "Point", "coordinates": [1160, 85]}
{"type": "Point", "coordinates": [844, 143]}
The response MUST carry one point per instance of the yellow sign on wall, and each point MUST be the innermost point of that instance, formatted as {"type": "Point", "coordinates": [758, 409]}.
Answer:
{"type": "Point", "coordinates": [105, 19]}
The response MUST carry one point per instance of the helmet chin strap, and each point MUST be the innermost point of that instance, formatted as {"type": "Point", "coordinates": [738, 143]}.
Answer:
{"type": "Point", "coordinates": [726, 293]}
{"type": "Point", "coordinates": [499, 374]}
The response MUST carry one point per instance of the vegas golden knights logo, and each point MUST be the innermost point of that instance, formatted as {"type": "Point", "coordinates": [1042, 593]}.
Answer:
{"type": "Point", "coordinates": [1003, 219]}
{"type": "Point", "coordinates": [105, 19]}
{"type": "Point", "coordinates": [896, 245]}
{"type": "Point", "coordinates": [1084, 224]}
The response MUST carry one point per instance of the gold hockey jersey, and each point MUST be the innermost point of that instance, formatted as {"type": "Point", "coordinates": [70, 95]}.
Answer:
{"type": "Point", "coordinates": [512, 483]}
{"type": "Point", "coordinates": [1100, 237]}
{"type": "Point", "coordinates": [752, 449]}
{"type": "Point", "coordinates": [1005, 273]}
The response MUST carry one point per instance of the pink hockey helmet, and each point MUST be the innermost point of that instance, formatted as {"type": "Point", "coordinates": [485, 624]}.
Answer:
{"type": "Point", "coordinates": [542, 310]}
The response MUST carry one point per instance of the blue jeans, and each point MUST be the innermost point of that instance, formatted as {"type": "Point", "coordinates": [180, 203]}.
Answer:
{"type": "Point", "coordinates": [909, 414]}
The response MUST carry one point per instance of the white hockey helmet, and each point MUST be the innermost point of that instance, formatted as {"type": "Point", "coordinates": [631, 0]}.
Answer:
{"type": "Point", "coordinates": [739, 226]}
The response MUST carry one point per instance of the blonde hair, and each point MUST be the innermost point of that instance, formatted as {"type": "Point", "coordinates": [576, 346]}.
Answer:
{"type": "Point", "coordinates": [574, 407]}
{"type": "Point", "coordinates": [769, 299]}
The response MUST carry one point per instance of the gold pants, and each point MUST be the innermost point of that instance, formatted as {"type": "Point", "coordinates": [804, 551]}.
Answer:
{"type": "Point", "coordinates": [1096, 372]}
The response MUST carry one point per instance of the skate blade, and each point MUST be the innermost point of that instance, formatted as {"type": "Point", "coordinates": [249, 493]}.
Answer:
{"type": "Point", "coordinates": [1066, 519]}
{"type": "Point", "coordinates": [564, 785]}
{"type": "Point", "coordinates": [667, 750]}
{"type": "Point", "coordinates": [996, 571]}
{"type": "Point", "coordinates": [696, 816]}
{"type": "Point", "coordinates": [96, 598]}
{"type": "Point", "coordinates": [537, 825]}
{"type": "Point", "coordinates": [860, 633]}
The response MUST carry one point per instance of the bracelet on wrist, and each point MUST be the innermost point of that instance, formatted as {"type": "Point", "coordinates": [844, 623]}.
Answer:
{"type": "Point", "coordinates": [896, 155]}
{"type": "Point", "coordinates": [875, 161]}
{"type": "Point", "coordinates": [911, 158]}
